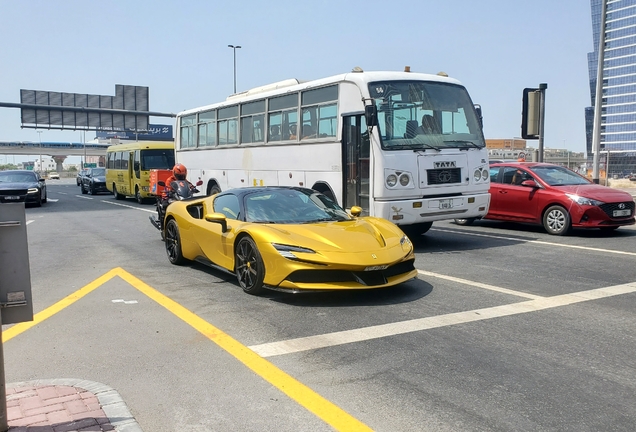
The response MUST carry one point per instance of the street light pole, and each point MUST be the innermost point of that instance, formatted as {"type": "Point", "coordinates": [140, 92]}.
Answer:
{"type": "Point", "coordinates": [234, 48]}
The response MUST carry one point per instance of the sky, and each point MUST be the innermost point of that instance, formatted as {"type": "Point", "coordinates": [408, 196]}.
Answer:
{"type": "Point", "coordinates": [496, 48]}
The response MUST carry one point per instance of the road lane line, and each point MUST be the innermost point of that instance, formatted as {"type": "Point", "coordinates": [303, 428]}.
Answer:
{"type": "Point", "coordinates": [17, 329]}
{"type": "Point", "coordinates": [480, 285]}
{"type": "Point", "coordinates": [303, 395]}
{"type": "Point", "coordinates": [517, 239]}
{"type": "Point", "coordinates": [52, 200]}
{"type": "Point", "coordinates": [385, 330]}
{"type": "Point", "coordinates": [129, 206]}
{"type": "Point", "coordinates": [82, 196]}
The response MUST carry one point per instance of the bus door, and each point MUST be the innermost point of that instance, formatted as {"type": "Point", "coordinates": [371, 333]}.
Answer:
{"type": "Point", "coordinates": [355, 163]}
{"type": "Point", "coordinates": [137, 164]}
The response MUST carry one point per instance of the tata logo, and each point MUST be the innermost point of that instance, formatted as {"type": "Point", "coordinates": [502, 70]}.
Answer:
{"type": "Point", "coordinates": [448, 164]}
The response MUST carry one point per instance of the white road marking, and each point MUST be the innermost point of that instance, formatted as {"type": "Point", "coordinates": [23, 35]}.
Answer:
{"type": "Point", "coordinates": [82, 196]}
{"type": "Point", "coordinates": [62, 193]}
{"type": "Point", "coordinates": [125, 301]}
{"type": "Point", "coordinates": [480, 285]}
{"type": "Point", "coordinates": [129, 206]}
{"type": "Point", "coordinates": [29, 221]}
{"type": "Point", "coordinates": [517, 239]}
{"type": "Point", "coordinates": [52, 200]}
{"type": "Point", "coordinates": [385, 330]}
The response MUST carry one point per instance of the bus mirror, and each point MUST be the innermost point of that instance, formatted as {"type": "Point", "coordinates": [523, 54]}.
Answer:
{"type": "Point", "coordinates": [200, 182]}
{"type": "Point", "coordinates": [136, 166]}
{"type": "Point", "coordinates": [371, 115]}
{"type": "Point", "coordinates": [480, 118]}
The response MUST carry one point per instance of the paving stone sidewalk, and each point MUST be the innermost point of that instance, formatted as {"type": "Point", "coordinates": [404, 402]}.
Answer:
{"type": "Point", "coordinates": [66, 405]}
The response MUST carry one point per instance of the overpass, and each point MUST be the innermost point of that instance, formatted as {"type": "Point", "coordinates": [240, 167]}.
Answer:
{"type": "Point", "coordinates": [52, 148]}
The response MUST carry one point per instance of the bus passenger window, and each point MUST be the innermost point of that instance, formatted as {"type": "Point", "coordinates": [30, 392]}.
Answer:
{"type": "Point", "coordinates": [274, 133]}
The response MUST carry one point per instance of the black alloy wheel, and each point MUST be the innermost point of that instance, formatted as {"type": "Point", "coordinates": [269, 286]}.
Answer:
{"type": "Point", "coordinates": [173, 243]}
{"type": "Point", "coordinates": [250, 270]}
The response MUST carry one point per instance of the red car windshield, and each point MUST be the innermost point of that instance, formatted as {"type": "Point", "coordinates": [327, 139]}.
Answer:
{"type": "Point", "coordinates": [558, 176]}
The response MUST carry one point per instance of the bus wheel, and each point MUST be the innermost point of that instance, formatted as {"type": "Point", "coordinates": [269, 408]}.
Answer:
{"type": "Point", "coordinates": [214, 190]}
{"type": "Point", "coordinates": [118, 196]}
{"type": "Point", "coordinates": [416, 230]}
{"type": "Point", "coordinates": [140, 200]}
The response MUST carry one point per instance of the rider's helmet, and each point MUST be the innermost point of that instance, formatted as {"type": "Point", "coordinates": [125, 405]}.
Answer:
{"type": "Point", "coordinates": [180, 171]}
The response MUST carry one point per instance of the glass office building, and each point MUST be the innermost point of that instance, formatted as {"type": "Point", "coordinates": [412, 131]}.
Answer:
{"type": "Point", "coordinates": [618, 106]}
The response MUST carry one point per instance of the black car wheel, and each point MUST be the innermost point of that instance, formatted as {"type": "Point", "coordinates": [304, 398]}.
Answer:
{"type": "Point", "coordinates": [556, 220]}
{"type": "Point", "coordinates": [45, 197]}
{"type": "Point", "coordinates": [92, 189]}
{"type": "Point", "coordinates": [250, 270]}
{"type": "Point", "coordinates": [173, 243]}
{"type": "Point", "coordinates": [82, 188]}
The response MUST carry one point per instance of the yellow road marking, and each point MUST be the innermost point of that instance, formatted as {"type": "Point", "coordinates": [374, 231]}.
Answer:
{"type": "Point", "coordinates": [17, 329]}
{"type": "Point", "coordinates": [303, 395]}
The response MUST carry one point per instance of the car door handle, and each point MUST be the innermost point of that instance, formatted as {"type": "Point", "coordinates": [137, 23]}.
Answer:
{"type": "Point", "coordinates": [503, 192]}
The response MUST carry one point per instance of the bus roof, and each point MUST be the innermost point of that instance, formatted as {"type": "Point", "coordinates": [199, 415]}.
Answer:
{"type": "Point", "coordinates": [141, 145]}
{"type": "Point", "coordinates": [360, 78]}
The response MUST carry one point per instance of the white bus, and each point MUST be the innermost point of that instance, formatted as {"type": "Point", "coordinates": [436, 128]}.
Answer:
{"type": "Point", "coordinates": [356, 137]}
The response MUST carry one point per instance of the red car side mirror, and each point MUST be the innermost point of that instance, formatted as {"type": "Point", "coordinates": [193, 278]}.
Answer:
{"type": "Point", "coordinates": [530, 183]}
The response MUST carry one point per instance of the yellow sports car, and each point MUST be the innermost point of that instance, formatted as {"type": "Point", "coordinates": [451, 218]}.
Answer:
{"type": "Point", "coordinates": [288, 239]}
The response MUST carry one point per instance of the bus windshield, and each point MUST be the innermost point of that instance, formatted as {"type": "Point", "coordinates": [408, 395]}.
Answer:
{"type": "Point", "coordinates": [425, 115]}
{"type": "Point", "coordinates": [157, 159]}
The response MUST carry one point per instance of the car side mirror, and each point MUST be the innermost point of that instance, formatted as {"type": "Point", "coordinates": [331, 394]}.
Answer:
{"type": "Point", "coordinates": [356, 211]}
{"type": "Point", "coordinates": [161, 183]}
{"type": "Point", "coordinates": [200, 182]}
{"type": "Point", "coordinates": [217, 218]}
{"type": "Point", "coordinates": [529, 183]}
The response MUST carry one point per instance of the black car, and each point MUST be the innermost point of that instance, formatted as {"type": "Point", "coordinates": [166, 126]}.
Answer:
{"type": "Point", "coordinates": [80, 176]}
{"type": "Point", "coordinates": [22, 186]}
{"type": "Point", "coordinates": [94, 181]}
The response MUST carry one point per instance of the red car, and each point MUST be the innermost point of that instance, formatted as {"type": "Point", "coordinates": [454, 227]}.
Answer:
{"type": "Point", "coordinates": [555, 197]}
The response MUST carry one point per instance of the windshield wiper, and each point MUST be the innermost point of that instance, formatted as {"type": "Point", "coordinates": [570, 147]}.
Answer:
{"type": "Point", "coordinates": [464, 142]}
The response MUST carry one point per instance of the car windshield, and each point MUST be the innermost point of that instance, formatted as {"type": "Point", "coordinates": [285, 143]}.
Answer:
{"type": "Point", "coordinates": [99, 172]}
{"type": "Point", "coordinates": [13, 177]}
{"type": "Point", "coordinates": [558, 176]}
{"type": "Point", "coordinates": [423, 115]}
{"type": "Point", "coordinates": [292, 206]}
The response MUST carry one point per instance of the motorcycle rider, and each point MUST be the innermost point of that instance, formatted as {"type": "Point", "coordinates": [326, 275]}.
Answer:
{"type": "Point", "coordinates": [179, 173]}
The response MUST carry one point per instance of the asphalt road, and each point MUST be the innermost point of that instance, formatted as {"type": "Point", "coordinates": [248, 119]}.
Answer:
{"type": "Point", "coordinates": [506, 329]}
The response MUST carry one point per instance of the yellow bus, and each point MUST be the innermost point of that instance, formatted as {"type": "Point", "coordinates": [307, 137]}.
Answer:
{"type": "Point", "coordinates": [128, 167]}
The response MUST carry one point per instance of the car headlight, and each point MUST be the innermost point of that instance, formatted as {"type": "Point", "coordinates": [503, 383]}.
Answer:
{"type": "Point", "coordinates": [288, 251]}
{"type": "Point", "coordinates": [406, 244]}
{"type": "Point", "coordinates": [405, 179]}
{"type": "Point", "coordinates": [33, 190]}
{"type": "Point", "coordinates": [391, 180]}
{"type": "Point", "coordinates": [583, 200]}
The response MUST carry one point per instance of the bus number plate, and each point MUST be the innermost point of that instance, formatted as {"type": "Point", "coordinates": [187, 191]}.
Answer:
{"type": "Point", "coordinates": [445, 204]}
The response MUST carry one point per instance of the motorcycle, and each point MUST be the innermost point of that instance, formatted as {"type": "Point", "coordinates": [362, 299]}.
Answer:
{"type": "Point", "coordinates": [179, 190]}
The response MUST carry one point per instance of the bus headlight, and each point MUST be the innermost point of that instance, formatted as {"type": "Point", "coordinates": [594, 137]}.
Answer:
{"type": "Point", "coordinates": [477, 175]}
{"type": "Point", "coordinates": [404, 180]}
{"type": "Point", "coordinates": [391, 180]}
{"type": "Point", "coordinates": [485, 174]}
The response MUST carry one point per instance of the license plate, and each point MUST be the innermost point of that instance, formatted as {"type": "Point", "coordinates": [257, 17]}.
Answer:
{"type": "Point", "coordinates": [445, 204]}
{"type": "Point", "coordinates": [11, 197]}
{"type": "Point", "coordinates": [618, 213]}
